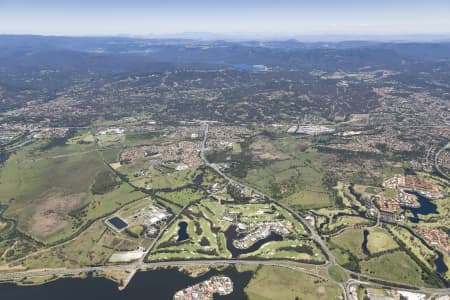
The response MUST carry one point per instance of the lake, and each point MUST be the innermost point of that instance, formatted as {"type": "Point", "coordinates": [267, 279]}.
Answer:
{"type": "Point", "coordinates": [151, 285]}
{"type": "Point", "coordinates": [426, 207]}
{"type": "Point", "coordinates": [182, 231]}
{"type": "Point", "coordinates": [231, 234]}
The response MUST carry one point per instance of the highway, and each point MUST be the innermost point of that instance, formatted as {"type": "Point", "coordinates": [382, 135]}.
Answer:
{"type": "Point", "coordinates": [149, 265]}
{"type": "Point", "coordinates": [315, 236]}
{"type": "Point", "coordinates": [183, 263]}
{"type": "Point", "coordinates": [436, 164]}
{"type": "Point", "coordinates": [141, 265]}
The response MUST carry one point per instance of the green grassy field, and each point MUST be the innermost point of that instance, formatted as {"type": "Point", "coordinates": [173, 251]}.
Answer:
{"type": "Point", "coordinates": [396, 266]}
{"type": "Point", "coordinates": [13, 244]}
{"type": "Point", "coordinates": [337, 274]}
{"type": "Point", "coordinates": [94, 245]}
{"type": "Point", "coordinates": [206, 230]}
{"type": "Point", "coordinates": [141, 175]}
{"type": "Point", "coordinates": [143, 138]}
{"type": "Point", "coordinates": [299, 250]}
{"type": "Point", "coordinates": [415, 245]}
{"type": "Point", "coordinates": [49, 190]}
{"type": "Point", "coordinates": [296, 180]}
{"type": "Point", "coordinates": [111, 155]}
{"type": "Point", "coordinates": [346, 247]}
{"type": "Point", "coordinates": [379, 240]}
{"type": "Point", "coordinates": [183, 196]}
{"type": "Point", "coordinates": [281, 283]}
{"type": "Point", "coordinates": [350, 240]}
{"type": "Point", "coordinates": [347, 221]}
{"type": "Point", "coordinates": [29, 173]}
{"type": "Point", "coordinates": [35, 183]}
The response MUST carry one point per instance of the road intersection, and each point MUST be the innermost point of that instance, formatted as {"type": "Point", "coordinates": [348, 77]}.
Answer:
{"type": "Point", "coordinates": [142, 265]}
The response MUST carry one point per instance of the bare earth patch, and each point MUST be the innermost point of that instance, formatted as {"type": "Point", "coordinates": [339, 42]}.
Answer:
{"type": "Point", "coordinates": [266, 151]}
{"type": "Point", "coordinates": [51, 213]}
{"type": "Point", "coordinates": [115, 165]}
{"type": "Point", "coordinates": [321, 290]}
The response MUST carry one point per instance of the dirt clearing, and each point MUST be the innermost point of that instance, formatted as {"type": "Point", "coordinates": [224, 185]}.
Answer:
{"type": "Point", "coordinates": [51, 216]}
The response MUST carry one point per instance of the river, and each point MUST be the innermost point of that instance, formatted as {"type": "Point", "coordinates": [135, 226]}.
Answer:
{"type": "Point", "coordinates": [151, 285]}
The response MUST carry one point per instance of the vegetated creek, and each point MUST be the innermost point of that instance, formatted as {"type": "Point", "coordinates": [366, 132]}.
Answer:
{"type": "Point", "coordinates": [364, 243]}
{"type": "Point", "coordinates": [182, 232]}
{"type": "Point", "coordinates": [426, 207]}
{"type": "Point", "coordinates": [231, 234]}
{"type": "Point", "coordinates": [157, 285]}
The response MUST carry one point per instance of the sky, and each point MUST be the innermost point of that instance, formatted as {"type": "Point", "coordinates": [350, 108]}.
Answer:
{"type": "Point", "coordinates": [239, 17]}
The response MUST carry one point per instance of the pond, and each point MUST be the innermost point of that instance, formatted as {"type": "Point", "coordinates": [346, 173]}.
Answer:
{"type": "Point", "coordinates": [364, 243]}
{"type": "Point", "coordinates": [198, 179]}
{"type": "Point", "coordinates": [3, 157]}
{"type": "Point", "coordinates": [157, 285]}
{"type": "Point", "coordinates": [441, 267]}
{"type": "Point", "coordinates": [182, 231]}
{"type": "Point", "coordinates": [118, 223]}
{"type": "Point", "coordinates": [426, 207]}
{"type": "Point", "coordinates": [231, 234]}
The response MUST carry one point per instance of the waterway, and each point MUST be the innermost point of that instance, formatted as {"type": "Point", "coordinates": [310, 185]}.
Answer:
{"type": "Point", "coordinates": [364, 243]}
{"type": "Point", "coordinates": [182, 231]}
{"type": "Point", "coordinates": [231, 234]}
{"type": "Point", "coordinates": [154, 285]}
{"type": "Point", "coordinates": [426, 207]}
{"type": "Point", "coordinates": [441, 267]}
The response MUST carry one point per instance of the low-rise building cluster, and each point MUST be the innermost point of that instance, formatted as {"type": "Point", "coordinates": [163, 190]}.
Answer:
{"type": "Point", "coordinates": [49, 133]}
{"type": "Point", "coordinates": [259, 231]}
{"type": "Point", "coordinates": [423, 186]}
{"type": "Point", "coordinates": [310, 129]}
{"type": "Point", "coordinates": [435, 236]}
{"type": "Point", "coordinates": [205, 290]}
{"type": "Point", "coordinates": [184, 152]}
{"type": "Point", "coordinates": [223, 137]}
{"type": "Point", "coordinates": [388, 209]}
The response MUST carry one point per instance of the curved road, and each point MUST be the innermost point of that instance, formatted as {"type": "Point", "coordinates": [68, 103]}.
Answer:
{"type": "Point", "coordinates": [315, 236]}
{"type": "Point", "coordinates": [436, 164]}
{"type": "Point", "coordinates": [140, 265]}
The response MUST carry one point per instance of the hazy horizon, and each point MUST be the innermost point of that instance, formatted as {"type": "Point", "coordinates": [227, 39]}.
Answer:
{"type": "Point", "coordinates": [231, 37]}
{"type": "Point", "coordinates": [231, 18]}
